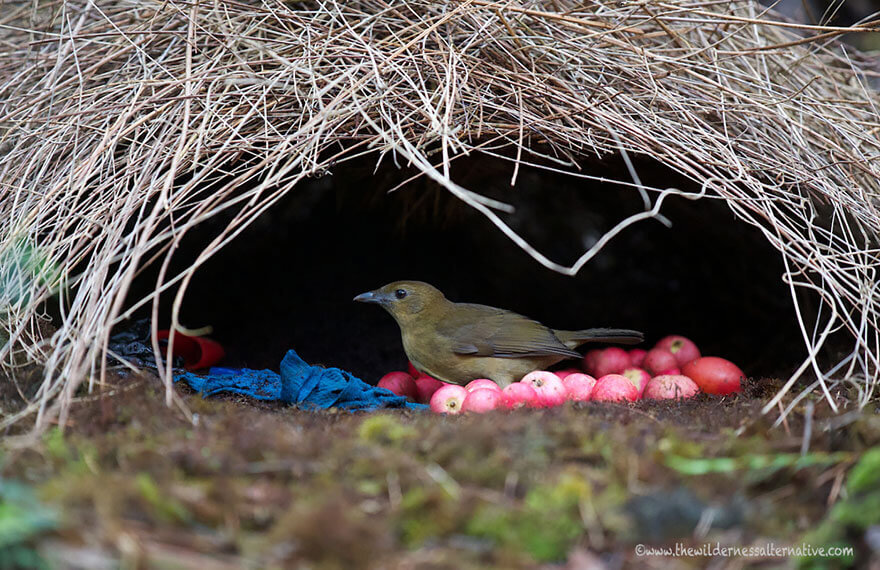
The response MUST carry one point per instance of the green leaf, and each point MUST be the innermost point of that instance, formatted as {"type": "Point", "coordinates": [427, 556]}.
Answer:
{"type": "Point", "coordinates": [772, 462]}
{"type": "Point", "coordinates": [22, 516]}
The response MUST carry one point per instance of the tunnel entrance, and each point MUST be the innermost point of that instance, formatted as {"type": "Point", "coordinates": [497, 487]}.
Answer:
{"type": "Point", "coordinates": [289, 279]}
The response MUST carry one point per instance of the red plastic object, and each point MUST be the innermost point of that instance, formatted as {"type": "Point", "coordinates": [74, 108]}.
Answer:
{"type": "Point", "coordinates": [197, 351]}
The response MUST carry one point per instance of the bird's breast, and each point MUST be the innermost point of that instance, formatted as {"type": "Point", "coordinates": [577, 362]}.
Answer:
{"type": "Point", "coordinates": [422, 346]}
{"type": "Point", "coordinates": [431, 353]}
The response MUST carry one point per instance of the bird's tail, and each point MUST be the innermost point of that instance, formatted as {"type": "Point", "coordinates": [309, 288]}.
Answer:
{"type": "Point", "coordinates": [617, 336]}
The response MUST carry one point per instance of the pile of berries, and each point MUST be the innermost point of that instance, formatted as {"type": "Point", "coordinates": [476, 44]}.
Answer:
{"type": "Point", "coordinates": [673, 369]}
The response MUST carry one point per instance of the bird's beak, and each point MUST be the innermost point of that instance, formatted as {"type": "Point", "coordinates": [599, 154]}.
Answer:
{"type": "Point", "coordinates": [368, 297]}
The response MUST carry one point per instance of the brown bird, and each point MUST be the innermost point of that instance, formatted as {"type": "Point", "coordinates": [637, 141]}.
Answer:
{"type": "Point", "coordinates": [459, 342]}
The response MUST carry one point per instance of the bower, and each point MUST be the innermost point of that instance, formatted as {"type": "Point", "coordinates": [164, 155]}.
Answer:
{"type": "Point", "coordinates": [700, 168]}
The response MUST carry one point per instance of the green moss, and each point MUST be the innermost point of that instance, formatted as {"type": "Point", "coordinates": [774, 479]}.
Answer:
{"type": "Point", "coordinates": [545, 525]}
{"type": "Point", "coordinates": [72, 455]}
{"type": "Point", "coordinates": [865, 476]}
{"type": "Point", "coordinates": [672, 444]}
{"type": "Point", "coordinates": [428, 512]}
{"type": "Point", "coordinates": [762, 465]}
{"type": "Point", "coordinates": [24, 267]}
{"type": "Point", "coordinates": [332, 490]}
{"type": "Point", "coordinates": [384, 428]}
{"type": "Point", "coordinates": [56, 446]}
{"type": "Point", "coordinates": [370, 487]}
{"type": "Point", "coordinates": [22, 519]}
{"type": "Point", "coordinates": [858, 514]}
{"type": "Point", "coordinates": [164, 507]}
{"type": "Point", "coordinates": [851, 516]}
{"type": "Point", "coordinates": [21, 514]}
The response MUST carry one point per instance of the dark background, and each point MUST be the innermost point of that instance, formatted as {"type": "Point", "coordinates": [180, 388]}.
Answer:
{"type": "Point", "coordinates": [833, 13]}
{"type": "Point", "coordinates": [288, 280]}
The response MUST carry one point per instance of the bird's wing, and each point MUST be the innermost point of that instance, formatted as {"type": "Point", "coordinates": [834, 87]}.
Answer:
{"type": "Point", "coordinates": [499, 333]}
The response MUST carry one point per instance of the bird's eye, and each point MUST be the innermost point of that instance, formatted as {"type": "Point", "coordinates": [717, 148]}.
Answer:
{"type": "Point", "coordinates": [400, 293]}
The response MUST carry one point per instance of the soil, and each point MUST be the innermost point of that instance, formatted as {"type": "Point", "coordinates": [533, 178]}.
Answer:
{"type": "Point", "coordinates": [233, 483]}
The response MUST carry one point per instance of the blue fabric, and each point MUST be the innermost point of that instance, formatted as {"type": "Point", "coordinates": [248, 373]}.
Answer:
{"type": "Point", "coordinates": [299, 383]}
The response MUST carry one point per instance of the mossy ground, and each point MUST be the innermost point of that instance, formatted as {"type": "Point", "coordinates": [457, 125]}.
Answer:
{"type": "Point", "coordinates": [250, 485]}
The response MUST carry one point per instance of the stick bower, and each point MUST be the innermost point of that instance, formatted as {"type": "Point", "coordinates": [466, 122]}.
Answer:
{"type": "Point", "coordinates": [124, 125]}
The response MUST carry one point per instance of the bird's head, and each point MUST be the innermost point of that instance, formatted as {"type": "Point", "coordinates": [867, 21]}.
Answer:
{"type": "Point", "coordinates": [405, 300]}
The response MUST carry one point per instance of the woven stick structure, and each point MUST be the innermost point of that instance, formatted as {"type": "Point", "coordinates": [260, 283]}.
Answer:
{"type": "Point", "coordinates": [124, 124]}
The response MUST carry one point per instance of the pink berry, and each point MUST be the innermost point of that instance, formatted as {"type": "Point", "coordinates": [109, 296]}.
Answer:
{"type": "Point", "coordinates": [401, 384]}
{"type": "Point", "coordinates": [551, 391]}
{"type": "Point", "coordinates": [671, 387]}
{"type": "Point", "coordinates": [590, 360]}
{"type": "Point", "coordinates": [566, 372]}
{"type": "Point", "coordinates": [426, 386]}
{"type": "Point", "coordinates": [448, 399]}
{"type": "Point", "coordinates": [683, 349]}
{"type": "Point", "coordinates": [658, 360]}
{"type": "Point", "coordinates": [481, 383]}
{"type": "Point", "coordinates": [483, 400]}
{"type": "Point", "coordinates": [637, 357]}
{"type": "Point", "coordinates": [638, 377]}
{"type": "Point", "coordinates": [578, 387]}
{"type": "Point", "coordinates": [519, 394]}
{"type": "Point", "coordinates": [614, 388]}
{"type": "Point", "coordinates": [612, 360]}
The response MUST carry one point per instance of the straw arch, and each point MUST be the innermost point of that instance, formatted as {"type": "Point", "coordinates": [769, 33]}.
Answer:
{"type": "Point", "coordinates": [125, 125]}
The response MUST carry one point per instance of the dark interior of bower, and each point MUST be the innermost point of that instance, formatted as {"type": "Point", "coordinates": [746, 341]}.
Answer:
{"type": "Point", "coordinates": [289, 279]}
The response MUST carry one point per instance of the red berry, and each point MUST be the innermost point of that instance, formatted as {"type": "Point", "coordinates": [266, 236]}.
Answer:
{"type": "Point", "coordinates": [715, 375]}
{"type": "Point", "coordinates": [426, 386]}
{"type": "Point", "coordinates": [401, 384]}
{"type": "Point", "coordinates": [658, 360]}
{"type": "Point", "coordinates": [612, 360]}
{"type": "Point", "coordinates": [683, 349]}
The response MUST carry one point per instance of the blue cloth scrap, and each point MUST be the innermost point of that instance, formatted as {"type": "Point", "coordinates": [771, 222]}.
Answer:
{"type": "Point", "coordinates": [299, 383]}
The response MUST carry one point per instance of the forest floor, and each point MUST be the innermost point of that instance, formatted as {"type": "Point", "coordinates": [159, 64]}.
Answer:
{"type": "Point", "coordinates": [233, 483]}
